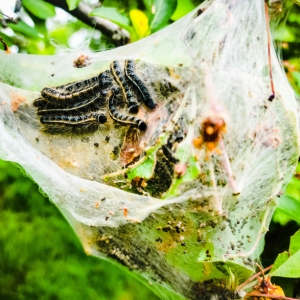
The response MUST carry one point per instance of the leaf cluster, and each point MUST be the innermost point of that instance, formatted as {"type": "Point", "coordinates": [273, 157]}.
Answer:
{"type": "Point", "coordinates": [40, 27]}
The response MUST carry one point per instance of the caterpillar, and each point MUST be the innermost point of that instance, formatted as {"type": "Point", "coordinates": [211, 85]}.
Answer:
{"type": "Point", "coordinates": [119, 78]}
{"type": "Point", "coordinates": [77, 99]}
{"type": "Point", "coordinates": [92, 103]}
{"type": "Point", "coordinates": [120, 118]}
{"type": "Point", "coordinates": [75, 106]}
{"type": "Point", "coordinates": [130, 74]}
{"type": "Point", "coordinates": [61, 124]}
{"type": "Point", "coordinates": [74, 91]}
{"type": "Point", "coordinates": [71, 90]}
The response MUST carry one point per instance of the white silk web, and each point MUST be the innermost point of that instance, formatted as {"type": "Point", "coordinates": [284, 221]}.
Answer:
{"type": "Point", "coordinates": [189, 208]}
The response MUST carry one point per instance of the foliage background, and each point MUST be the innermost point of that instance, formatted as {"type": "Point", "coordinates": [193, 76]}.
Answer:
{"type": "Point", "coordinates": [40, 255]}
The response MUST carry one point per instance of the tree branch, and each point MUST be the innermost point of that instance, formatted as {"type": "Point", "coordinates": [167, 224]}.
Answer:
{"type": "Point", "coordinates": [118, 35]}
{"type": "Point", "coordinates": [266, 296]}
{"type": "Point", "coordinates": [253, 277]}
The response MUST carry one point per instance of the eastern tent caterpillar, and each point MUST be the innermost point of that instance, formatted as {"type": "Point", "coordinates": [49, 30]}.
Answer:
{"type": "Point", "coordinates": [71, 90]}
{"type": "Point", "coordinates": [78, 89]}
{"type": "Point", "coordinates": [105, 79]}
{"type": "Point", "coordinates": [76, 99]}
{"type": "Point", "coordinates": [79, 124]}
{"type": "Point", "coordinates": [92, 103]}
{"type": "Point", "coordinates": [74, 107]}
{"type": "Point", "coordinates": [130, 74]}
{"type": "Point", "coordinates": [119, 78]}
{"type": "Point", "coordinates": [123, 119]}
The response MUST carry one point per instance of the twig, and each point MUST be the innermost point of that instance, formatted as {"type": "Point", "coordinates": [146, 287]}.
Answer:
{"type": "Point", "coordinates": [8, 17]}
{"type": "Point", "coordinates": [118, 35]}
{"type": "Point", "coordinates": [272, 96]}
{"type": "Point", "coordinates": [227, 166]}
{"type": "Point", "coordinates": [265, 296]}
{"type": "Point", "coordinates": [253, 277]}
{"type": "Point", "coordinates": [214, 183]}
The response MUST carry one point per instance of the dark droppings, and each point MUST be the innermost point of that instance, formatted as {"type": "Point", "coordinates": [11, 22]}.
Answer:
{"type": "Point", "coordinates": [162, 178]}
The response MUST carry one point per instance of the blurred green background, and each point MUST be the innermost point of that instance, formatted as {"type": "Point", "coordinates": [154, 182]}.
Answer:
{"type": "Point", "coordinates": [40, 255]}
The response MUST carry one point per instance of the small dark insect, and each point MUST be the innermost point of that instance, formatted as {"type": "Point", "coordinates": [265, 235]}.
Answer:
{"type": "Point", "coordinates": [18, 6]}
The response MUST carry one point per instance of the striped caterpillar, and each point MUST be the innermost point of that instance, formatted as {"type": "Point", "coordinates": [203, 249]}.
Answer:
{"type": "Point", "coordinates": [130, 74]}
{"type": "Point", "coordinates": [123, 119]}
{"type": "Point", "coordinates": [73, 124]}
{"type": "Point", "coordinates": [74, 107]}
{"type": "Point", "coordinates": [71, 94]}
{"type": "Point", "coordinates": [119, 78]}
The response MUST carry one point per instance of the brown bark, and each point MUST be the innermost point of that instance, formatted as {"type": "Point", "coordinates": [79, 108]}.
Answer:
{"type": "Point", "coordinates": [118, 35]}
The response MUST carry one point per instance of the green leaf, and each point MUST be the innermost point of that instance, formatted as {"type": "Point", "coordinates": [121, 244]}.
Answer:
{"type": "Point", "coordinates": [161, 12]}
{"type": "Point", "coordinates": [296, 2]}
{"type": "Point", "coordinates": [25, 29]}
{"type": "Point", "coordinates": [296, 76]}
{"type": "Point", "coordinates": [188, 161]}
{"type": "Point", "coordinates": [280, 218]}
{"type": "Point", "coordinates": [183, 8]}
{"type": "Point", "coordinates": [41, 9]}
{"type": "Point", "coordinates": [6, 38]}
{"type": "Point", "coordinates": [284, 33]}
{"type": "Point", "coordinates": [294, 17]}
{"type": "Point", "coordinates": [192, 172]}
{"type": "Point", "coordinates": [287, 263]}
{"type": "Point", "coordinates": [140, 22]}
{"type": "Point", "coordinates": [290, 207]}
{"type": "Point", "coordinates": [145, 170]}
{"type": "Point", "coordinates": [111, 13]}
{"type": "Point", "coordinates": [148, 4]}
{"type": "Point", "coordinates": [72, 4]}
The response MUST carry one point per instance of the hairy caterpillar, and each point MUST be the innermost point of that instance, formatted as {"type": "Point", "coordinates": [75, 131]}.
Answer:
{"type": "Point", "coordinates": [80, 123]}
{"type": "Point", "coordinates": [123, 119]}
{"type": "Point", "coordinates": [71, 90]}
{"type": "Point", "coordinates": [130, 74]}
{"type": "Point", "coordinates": [119, 78]}
{"type": "Point", "coordinates": [74, 106]}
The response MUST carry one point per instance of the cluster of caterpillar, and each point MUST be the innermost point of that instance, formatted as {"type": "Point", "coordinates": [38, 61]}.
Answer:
{"type": "Point", "coordinates": [82, 106]}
